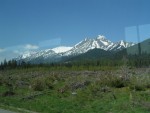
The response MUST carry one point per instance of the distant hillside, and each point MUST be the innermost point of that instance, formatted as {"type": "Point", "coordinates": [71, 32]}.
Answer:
{"type": "Point", "coordinates": [99, 54]}
{"type": "Point", "coordinates": [143, 47]}
{"type": "Point", "coordinates": [94, 54]}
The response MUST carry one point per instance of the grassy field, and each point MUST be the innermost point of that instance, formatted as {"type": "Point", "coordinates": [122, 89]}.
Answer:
{"type": "Point", "coordinates": [43, 90]}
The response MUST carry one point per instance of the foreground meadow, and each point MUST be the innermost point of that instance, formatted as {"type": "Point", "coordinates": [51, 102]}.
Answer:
{"type": "Point", "coordinates": [43, 90]}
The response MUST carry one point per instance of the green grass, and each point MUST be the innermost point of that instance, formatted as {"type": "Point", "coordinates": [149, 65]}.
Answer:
{"type": "Point", "coordinates": [103, 93]}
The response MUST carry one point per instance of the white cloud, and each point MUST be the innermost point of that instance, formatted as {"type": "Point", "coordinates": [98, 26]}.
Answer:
{"type": "Point", "coordinates": [2, 50]}
{"type": "Point", "coordinates": [30, 47]}
{"type": "Point", "coordinates": [15, 51]}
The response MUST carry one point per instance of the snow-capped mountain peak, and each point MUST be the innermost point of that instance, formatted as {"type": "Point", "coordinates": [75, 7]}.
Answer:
{"type": "Point", "coordinates": [61, 49]}
{"type": "Point", "coordinates": [125, 44]}
{"type": "Point", "coordinates": [122, 43]}
{"type": "Point", "coordinates": [103, 40]}
{"type": "Point", "coordinates": [54, 54]}
{"type": "Point", "coordinates": [101, 37]}
{"type": "Point", "coordinates": [85, 39]}
{"type": "Point", "coordinates": [87, 44]}
{"type": "Point", "coordinates": [26, 55]}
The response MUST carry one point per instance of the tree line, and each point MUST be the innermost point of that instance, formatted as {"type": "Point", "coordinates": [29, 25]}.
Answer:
{"type": "Point", "coordinates": [130, 60]}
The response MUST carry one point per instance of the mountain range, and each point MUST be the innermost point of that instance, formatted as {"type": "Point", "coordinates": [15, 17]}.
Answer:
{"type": "Point", "coordinates": [100, 45]}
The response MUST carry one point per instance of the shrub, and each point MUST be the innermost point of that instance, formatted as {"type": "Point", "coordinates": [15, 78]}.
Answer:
{"type": "Point", "coordinates": [137, 87]}
{"type": "Point", "coordinates": [49, 82]}
{"type": "Point", "coordinates": [139, 83]}
{"type": "Point", "coordinates": [148, 85]}
{"type": "Point", "coordinates": [114, 81]}
{"type": "Point", "coordinates": [1, 81]}
{"type": "Point", "coordinates": [42, 83]}
{"type": "Point", "coordinates": [38, 84]}
{"type": "Point", "coordinates": [8, 93]}
{"type": "Point", "coordinates": [117, 83]}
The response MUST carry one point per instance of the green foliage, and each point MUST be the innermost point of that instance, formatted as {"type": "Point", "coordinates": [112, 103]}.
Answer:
{"type": "Point", "coordinates": [139, 87]}
{"type": "Point", "coordinates": [1, 81]}
{"type": "Point", "coordinates": [79, 91]}
{"type": "Point", "coordinates": [118, 83]}
{"type": "Point", "coordinates": [49, 81]}
{"type": "Point", "coordinates": [38, 84]}
{"type": "Point", "coordinates": [43, 83]}
{"type": "Point", "coordinates": [139, 84]}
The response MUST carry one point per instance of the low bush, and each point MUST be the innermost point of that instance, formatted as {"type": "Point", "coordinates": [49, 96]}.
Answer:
{"type": "Point", "coordinates": [42, 83]}
{"type": "Point", "coordinates": [1, 81]}
{"type": "Point", "coordinates": [137, 87]}
{"type": "Point", "coordinates": [113, 81]}
{"type": "Point", "coordinates": [118, 83]}
{"type": "Point", "coordinates": [38, 84]}
{"type": "Point", "coordinates": [148, 85]}
{"type": "Point", "coordinates": [49, 82]}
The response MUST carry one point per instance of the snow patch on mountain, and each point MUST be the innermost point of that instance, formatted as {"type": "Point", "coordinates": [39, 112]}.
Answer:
{"type": "Point", "coordinates": [61, 49]}
{"type": "Point", "coordinates": [100, 42]}
{"type": "Point", "coordinates": [26, 54]}
{"type": "Point", "coordinates": [87, 44]}
{"type": "Point", "coordinates": [101, 37]}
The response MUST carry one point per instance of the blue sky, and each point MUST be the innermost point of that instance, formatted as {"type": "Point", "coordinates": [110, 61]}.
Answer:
{"type": "Point", "coordinates": [27, 25]}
